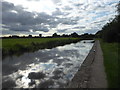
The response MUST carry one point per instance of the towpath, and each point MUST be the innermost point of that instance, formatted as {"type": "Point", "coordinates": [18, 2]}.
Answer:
{"type": "Point", "coordinates": [91, 73]}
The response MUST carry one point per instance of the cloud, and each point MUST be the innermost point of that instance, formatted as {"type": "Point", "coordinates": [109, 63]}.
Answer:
{"type": "Point", "coordinates": [80, 27]}
{"type": "Point", "coordinates": [67, 16]}
{"type": "Point", "coordinates": [67, 8]}
{"type": "Point", "coordinates": [56, 1]}
{"type": "Point", "coordinates": [57, 12]}
{"type": "Point", "coordinates": [33, 0]}
{"type": "Point", "coordinates": [78, 4]}
{"type": "Point", "coordinates": [17, 19]}
{"type": "Point", "coordinates": [62, 30]}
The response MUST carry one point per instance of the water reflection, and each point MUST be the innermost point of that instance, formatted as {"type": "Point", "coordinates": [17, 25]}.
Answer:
{"type": "Point", "coordinates": [50, 68]}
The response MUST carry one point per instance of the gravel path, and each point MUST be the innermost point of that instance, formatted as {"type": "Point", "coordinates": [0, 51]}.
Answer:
{"type": "Point", "coordinates": [91, 74]}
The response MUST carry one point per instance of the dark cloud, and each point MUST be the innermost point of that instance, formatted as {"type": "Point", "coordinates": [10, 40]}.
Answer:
{"type": "Point", "coordinates": [64, 20]}
{"type": "Point", "coordinates": [78, 4]}
{"type": "Point", "coordinates": [17, 19]}
{"type": "Point", "coordinates": [57, 12]}
{"type": "Point", "coordinates": [80, 27]}
{"type": "Point", "coordinates": [7, 6]}
{"type": "Point", "coordinates": [67, 21]}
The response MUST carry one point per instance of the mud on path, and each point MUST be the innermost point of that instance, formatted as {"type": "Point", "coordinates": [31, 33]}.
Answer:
{"type": "Point", "coordinates": [92, 73]}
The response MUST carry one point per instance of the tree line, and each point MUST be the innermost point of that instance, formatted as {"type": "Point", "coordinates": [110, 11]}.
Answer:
{"type": "Point", "coordinates": [55, 35]}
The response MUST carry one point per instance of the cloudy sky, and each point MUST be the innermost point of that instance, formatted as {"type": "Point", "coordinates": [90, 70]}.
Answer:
{"type": "Point", "coordinates": [23, 17]}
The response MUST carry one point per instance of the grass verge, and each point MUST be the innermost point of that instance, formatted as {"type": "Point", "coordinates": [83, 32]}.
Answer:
{"type": "Point", "coordinates": [20, 45]}
{"type": "Point", "coordinates": [110, 54]}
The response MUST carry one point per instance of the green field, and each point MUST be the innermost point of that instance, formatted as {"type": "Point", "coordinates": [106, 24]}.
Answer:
{"type": "Point", "coordinates": [9, 43]}
{"type": "Point", "coordinates": [19, 45]}
{"type": "Point", "coordinates": [0, 43]}
{"type": "Point", "coordinates": [110, 53]}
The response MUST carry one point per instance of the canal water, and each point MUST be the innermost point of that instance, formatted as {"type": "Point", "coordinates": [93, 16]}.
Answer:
{"type": "Point", "coordinates": [48, 68]}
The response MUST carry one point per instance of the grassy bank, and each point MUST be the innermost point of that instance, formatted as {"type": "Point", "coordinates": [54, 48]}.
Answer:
{"type": "Point", "coordinates": [110, 53]}
{"type": "Point", "coordinates": [17, 46]}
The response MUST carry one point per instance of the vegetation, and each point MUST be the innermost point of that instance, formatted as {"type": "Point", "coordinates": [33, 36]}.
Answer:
{"type": "Point", "coordinates": [110, 46]}
{"type": "Point", "coordinates": [14, 44]}
{"type": "Point", "coordinates": [11, 46]}
{"type": "Point", "coordinates": [110, 53]}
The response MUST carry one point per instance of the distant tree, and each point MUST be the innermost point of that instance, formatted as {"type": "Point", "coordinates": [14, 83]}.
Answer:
{"type": "Point", "coordinates": [87, 35]}
{"type": "Point", "coordinates": [40, 35]}
{"type": "Point", "coordinates": [23, 36]}
{"type": "Point", "coordinates": [15, 36]}
{"type": "Point", "coordinates": [74, 35]}
{"type": "Point", "coordinates": [30, 36]}
{"type": "Point", "coordinates": [10, 36]}
{"type": "Point", "coordinates": [55, 35]}
{"type": "Point", "coordinates": [64, 35]}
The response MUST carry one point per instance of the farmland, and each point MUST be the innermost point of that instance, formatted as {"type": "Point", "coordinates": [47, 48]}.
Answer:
{"type": "Point", "coordinates": [17, 46]}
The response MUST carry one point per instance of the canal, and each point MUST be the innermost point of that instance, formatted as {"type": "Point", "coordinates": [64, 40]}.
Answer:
{"type": "Point", "coordinates": [47, 68]}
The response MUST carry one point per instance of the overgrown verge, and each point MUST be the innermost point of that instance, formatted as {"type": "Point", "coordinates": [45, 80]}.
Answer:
{"type": "Point", "coordinates": [111, 63]}
{"type": "Point", "coordinates": [19, 46]}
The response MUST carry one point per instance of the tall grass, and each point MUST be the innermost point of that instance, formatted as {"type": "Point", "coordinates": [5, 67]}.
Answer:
{"type": "Point", "coordinates": [110, 53]}
{"type": "Point", "coordinates": [20, 45]}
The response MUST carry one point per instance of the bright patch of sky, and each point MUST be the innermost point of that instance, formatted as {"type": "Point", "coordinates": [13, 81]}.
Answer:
{"type": "Point", "coordinates": [60, 16]}
{"type": "Point", "coordinates": [36, 5]}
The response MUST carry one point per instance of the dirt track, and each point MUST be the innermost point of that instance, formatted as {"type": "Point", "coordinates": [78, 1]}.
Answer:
{"type": "Point", "coordinates": [92, 73]}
